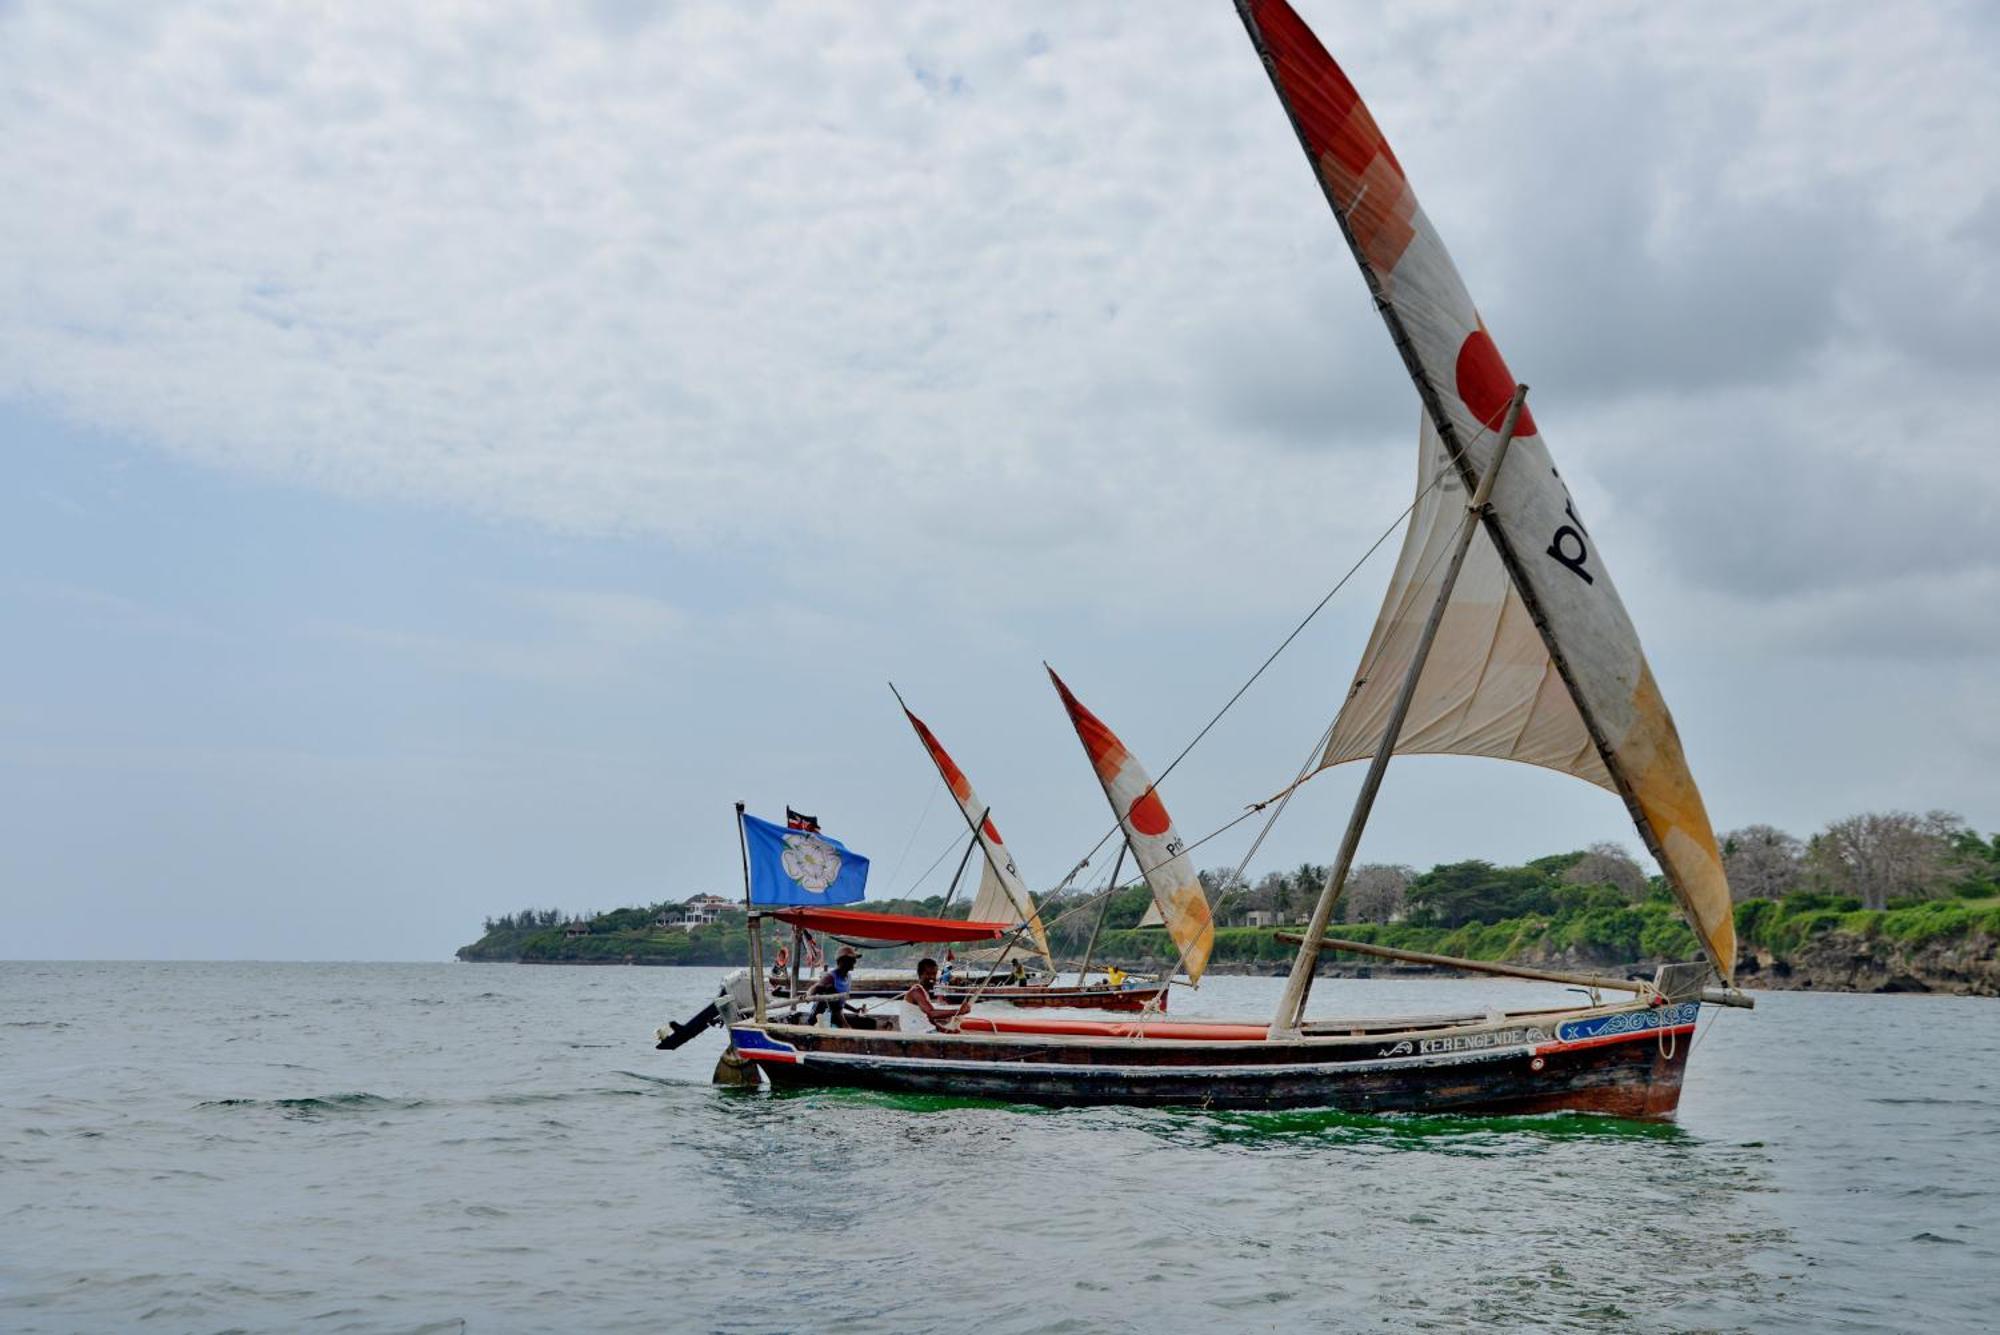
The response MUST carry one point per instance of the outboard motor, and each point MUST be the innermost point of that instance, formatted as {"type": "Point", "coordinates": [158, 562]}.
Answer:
{"type": "Point", "coordinates": [732, 999]}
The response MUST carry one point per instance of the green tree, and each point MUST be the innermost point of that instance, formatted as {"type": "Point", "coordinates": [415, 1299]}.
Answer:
{"type": "Point", "coordinates": [1455, 893]}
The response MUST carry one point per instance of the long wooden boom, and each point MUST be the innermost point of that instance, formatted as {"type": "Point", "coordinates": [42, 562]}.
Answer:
{"type": "Point", "coordinates": [1714, 996]}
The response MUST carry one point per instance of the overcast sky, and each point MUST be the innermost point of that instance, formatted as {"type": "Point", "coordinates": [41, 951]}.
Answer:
{"type": "Point", "coordinates": [454, 451]}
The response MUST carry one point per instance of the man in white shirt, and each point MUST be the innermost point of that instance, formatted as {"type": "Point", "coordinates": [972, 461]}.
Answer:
{"type": "Point", "coordinates": [921, 1012]}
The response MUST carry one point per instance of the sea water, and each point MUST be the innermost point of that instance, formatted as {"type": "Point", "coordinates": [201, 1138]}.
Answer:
{"type": "Point", "coordinates": [499, 1147]}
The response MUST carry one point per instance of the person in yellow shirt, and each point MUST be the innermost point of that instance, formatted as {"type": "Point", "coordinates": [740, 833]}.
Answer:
{"type": "Point", "coordinates": [1114, 976]}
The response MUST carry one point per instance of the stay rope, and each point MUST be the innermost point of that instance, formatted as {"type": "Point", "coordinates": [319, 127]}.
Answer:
{"type": "Point", "coordinates": [1282, 798]}
{"type": "Point", "coordinates": [1252, 680]}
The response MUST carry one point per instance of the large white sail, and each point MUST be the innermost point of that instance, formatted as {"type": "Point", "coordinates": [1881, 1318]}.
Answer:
{"type": "Point", "coordinates": [1548, 553]}
{"type": "Point", "coordinates": [1489, 687]}
{"type": "Point", "coordinates": [1149, 831]}
{"type": "Point", "coordinates": [1003, 896]}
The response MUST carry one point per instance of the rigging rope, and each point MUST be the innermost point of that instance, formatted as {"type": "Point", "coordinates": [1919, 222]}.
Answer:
{"type": "Point", "coordinates": [1283, 796]}
{"type": "Point", "coordinates": [925, 873]}
{"type": "Point", "coordinates": [930, 799]}
{"type": "Point", "coordinates": [1271, 658]}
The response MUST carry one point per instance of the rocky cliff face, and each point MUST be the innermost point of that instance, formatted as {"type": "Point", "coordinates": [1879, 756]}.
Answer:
{"type": "Point", "coordinates": [1964, 965]}
{"type": "Point", "coordinates": [1967, 965]}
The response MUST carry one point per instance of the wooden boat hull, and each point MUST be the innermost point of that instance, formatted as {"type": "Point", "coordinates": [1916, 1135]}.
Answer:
{"type": "Point", "coordinates": [1624, 1062]}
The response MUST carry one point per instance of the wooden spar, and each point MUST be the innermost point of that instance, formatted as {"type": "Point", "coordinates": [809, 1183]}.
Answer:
{"type": "Point", "coordinates": [1714, 996]}
{"type": "Point", "coordinates": [1292, 1006]}
{"type": "Point", "coordinates": [798, 949]}
{"type": "Point", "coordinates": [1102, 913]}
{"type": "Point", "coordinates": [756, 927]}
{"type": "Point", "coordinates": [959, 875]}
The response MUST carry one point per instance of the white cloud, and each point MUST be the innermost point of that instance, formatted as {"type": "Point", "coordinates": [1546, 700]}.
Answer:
{"type": "Point", "coordinates": [1040, 285]}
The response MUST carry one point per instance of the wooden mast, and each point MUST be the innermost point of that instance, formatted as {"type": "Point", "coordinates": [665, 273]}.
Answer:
{"type": "Point", "coordinates": [952, 893]}
{"type": "Point", "coordinates": [1292, 1005]}
{"type": "Point", "coordinates": [1124, 847]}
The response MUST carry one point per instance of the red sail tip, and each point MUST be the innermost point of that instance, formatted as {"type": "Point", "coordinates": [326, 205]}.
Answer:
{"type": "Point", "coordinates": [1352, 158]}
{"type": "Point", "coordinates": [954, 778]}
{"type": "Point", "coordinates": [1107, 754]}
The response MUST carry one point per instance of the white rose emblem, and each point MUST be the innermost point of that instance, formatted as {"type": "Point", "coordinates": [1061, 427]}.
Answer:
{"type": "Point", "coordinates": [811, 861]}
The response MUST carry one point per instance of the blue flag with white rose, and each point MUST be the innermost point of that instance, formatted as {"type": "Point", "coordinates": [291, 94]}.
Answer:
{"type": "Point", "coordinates": [794, 866]}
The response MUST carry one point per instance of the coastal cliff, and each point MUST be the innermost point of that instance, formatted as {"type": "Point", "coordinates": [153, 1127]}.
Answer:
{"type": "Point", "coordinates": [1802, 943]}
{"type": "Point", "coordinates": [1838, 961]}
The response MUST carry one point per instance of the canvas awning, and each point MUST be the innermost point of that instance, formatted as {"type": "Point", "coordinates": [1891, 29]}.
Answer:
{"type": "Point", "coordinates": [891, 926]}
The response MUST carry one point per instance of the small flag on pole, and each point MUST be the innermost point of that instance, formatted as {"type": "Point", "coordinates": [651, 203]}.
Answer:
{"type": "Point", "coordinates": [795, 866]}
{"type": "Point", "coordinates": [798, 820]}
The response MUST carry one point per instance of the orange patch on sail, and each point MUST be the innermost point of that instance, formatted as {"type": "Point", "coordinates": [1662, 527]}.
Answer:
{"type": "Point", "coordinates": [1486, 385]}
{"type": "Point", "coordinates": [1149, 815]}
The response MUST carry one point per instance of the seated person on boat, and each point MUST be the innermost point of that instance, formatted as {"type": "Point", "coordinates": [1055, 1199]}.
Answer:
{"type": "Point", "coordinates": [920, 1011]}
{"type": "Point", "coordinates": [832, 992]}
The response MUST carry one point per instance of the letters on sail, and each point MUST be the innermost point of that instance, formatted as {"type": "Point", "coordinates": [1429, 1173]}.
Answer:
{"type": "Point", "coordinates": [1003, 896]}
{"type": "Point", "coordinates": [1489, 687]}
{"type": "Point", "coordinates": [1156, 845]}
{"type": "Point", "coordinates": [1553, 566]}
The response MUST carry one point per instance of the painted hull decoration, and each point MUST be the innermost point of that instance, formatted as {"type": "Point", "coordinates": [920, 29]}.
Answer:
{"type": "Point", "coordinates": [1502, 635]}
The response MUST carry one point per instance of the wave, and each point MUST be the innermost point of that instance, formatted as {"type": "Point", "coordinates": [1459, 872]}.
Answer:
{"type": "Point", "coordinates": [323, 1105]}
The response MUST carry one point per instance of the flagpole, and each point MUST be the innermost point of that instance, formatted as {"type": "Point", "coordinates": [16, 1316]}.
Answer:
{"type": "Point", "coordinates": [750, 919]}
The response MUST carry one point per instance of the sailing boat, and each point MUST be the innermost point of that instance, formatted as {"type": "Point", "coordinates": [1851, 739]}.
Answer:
{"type": "Point", "coordinates": [1502, 635]}
{"type": "Point", "coordinates": [1179, 903]}
{"type": "Point", "coordinates": [1003, 897]}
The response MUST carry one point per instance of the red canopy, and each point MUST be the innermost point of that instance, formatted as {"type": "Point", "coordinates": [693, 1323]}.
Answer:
{"type": "Point", "coordinates": [891, 926]}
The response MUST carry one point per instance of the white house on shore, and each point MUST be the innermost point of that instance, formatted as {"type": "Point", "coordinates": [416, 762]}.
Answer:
{"type": "Point", "coordinates": [697, 912]}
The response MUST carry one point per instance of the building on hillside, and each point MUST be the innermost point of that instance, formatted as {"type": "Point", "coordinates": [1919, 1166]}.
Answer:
{"type": "Point", "coordinates": [697, 912]}
{"type": "Point", "coordinates": [574, 928]}
{"type": "Point", "coordinates": [1261, 918]}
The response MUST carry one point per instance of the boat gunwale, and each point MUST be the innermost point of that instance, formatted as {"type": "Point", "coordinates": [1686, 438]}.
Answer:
{"type": "Point", "coordinates": [1551, 1019]}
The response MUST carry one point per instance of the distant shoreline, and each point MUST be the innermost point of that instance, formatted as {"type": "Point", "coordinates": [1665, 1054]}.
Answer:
{"type": "Point", "coordinates": [1806, 942]}
{"type": "Point", "coordinates": [1839, 967]}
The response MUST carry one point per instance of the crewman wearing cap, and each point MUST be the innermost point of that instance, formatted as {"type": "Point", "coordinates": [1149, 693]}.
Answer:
{"type": "Point", "coordinates": [834, 988]}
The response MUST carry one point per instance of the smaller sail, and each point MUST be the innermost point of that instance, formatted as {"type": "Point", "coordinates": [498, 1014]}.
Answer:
{"type": "Point", "coordinates": [1003, 896]}
{"type": "Point", "coordinates": [1150, 832]}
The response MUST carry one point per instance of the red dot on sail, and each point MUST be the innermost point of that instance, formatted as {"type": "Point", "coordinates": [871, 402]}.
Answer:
{"type": "Point", "coordinates": [1149, 815]}
{"type": "Point", "coordinates": [1486, 385]}
{"type": "Point", "coordinates": [992, 831]}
